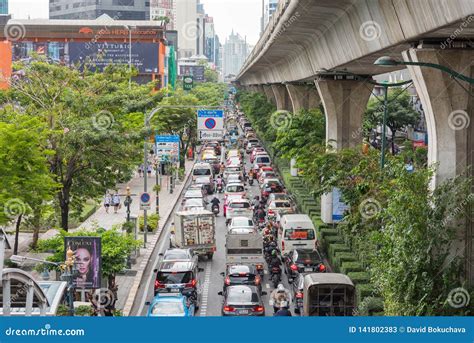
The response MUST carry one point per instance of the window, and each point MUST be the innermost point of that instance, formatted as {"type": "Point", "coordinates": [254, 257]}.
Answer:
{"type": "Point", "coordinates": [299, 234]}
{"type": "Point", "coordinates": [130, 3]}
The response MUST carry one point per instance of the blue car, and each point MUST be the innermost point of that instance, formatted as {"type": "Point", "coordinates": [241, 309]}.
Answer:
{"type": "Point", "coordinates": [171, 305]}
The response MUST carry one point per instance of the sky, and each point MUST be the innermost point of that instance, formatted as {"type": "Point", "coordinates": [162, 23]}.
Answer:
{"type": "Point", "coordinates": [242, 16]}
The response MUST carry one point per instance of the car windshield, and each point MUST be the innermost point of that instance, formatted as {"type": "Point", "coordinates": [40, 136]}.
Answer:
{"type": "Point", "coordinates": [239, 205]}
{"type": "Point", "coordinates": [242, 296]}
{"type": "Point", "coordinates": [176, 255]}
{"type": "Point", "coordinates": [173, 278]}
{"type": "Point", "coordinates": [202, 172]}
{"type": "Point", "coordinates": [263, 159]}
{"type": "Point", "coordinates": [304, 256]}
{"type": "Point", "coordinates": [168, 308]}
{"type": "Point", "coordinates": [202, 180]}
{"type": "Point", "coordinates": [242, 222]}
{"type": "Point", "coordinates": [282, 204]}
{"type": "Point", "coordinates": [231, 170]}
{"type": "Point", "coordinates": [235, 188]}
{"type": "Point", "coordinates": [299, 234]}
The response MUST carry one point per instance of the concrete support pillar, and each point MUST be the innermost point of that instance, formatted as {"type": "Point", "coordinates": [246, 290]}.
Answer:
{"type": "Point", "coordinates": [449, 112]}
{"type": "Point", "coordinates": [303, 97]}
{"type": "Point", "coordinates": [283, 101]}
{"type": "Point", "coordinates": [267, 89]}
{"type": "Point", "coordinates": [345, 102]}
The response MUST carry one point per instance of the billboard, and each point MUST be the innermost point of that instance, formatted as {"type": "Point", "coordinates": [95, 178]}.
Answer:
{"type": "Point", "coordinates": [144, 55]}
{"type": "Point", "coordinates": [87, 253]}
{"type": "Point", "coordinates": [197, 72]}
{"type": "Point", "coordinates": [167, 148]}
{"type": "Point", "coordinates": [210, 125]}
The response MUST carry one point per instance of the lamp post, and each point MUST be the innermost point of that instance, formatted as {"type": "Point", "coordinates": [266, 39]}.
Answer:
{"type": "Point", "coordinates": [128, 201]}
{"type": "Point", "coordinates": [387, 61]}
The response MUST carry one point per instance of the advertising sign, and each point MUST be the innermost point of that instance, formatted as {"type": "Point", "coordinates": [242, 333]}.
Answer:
{"type": "Point", "coordinates": [188, 82]}
{"type": "Point", "coordinates": [100, 55]}
{"type": "Point", "coordinates": [338, 206]}
{"type": "Point", "coordinates": [196, 71]}
{"type": "Point", "coordinates": [87, 254]}
{"type": "Point", "coordinates": [167, 148]}
{"type": "Point", "coordinates": [210, 125]}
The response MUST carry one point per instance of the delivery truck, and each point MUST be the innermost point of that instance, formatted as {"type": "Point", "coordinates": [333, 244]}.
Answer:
{"type": "Point", "coordinates": [245, 247]}
{"type": "Point", "coordinates": [196, 230]}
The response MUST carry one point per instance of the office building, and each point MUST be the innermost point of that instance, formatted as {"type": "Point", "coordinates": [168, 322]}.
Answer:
{"type": "Point", "coordinates": [3, 6]}
{"type": "Point", "coordinates": [164, 8]}
{"type": "Point", "coordinates": [270, 7]}
{"type": "Point", "coordinates": [92, 9]}
{"type": "Point", "coordinates": [236, 51]}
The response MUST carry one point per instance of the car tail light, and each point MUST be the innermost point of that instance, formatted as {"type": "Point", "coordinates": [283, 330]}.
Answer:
{"type": "Point", "coordinates": [258, 309]}
{"type": "Point", "coordinates": [271, 213]}
{"type": "Point", "coordinates": [282, 245]}
{"type": "Point", "coordinates": [227, 281]}
{"type": "Point", "coordinates": [257, 280]}
{"type": "Point", "coordinates": [229, 309]}
{"type": "Point", "coordinates": [158, 284]}
{"type": "Point", "coordinates": [259, 266]}
{"type": "Point", "coordinates": [192, 284]}
{"type": "Point", "coordinates": [294, 267]}
{"type": "Point", "coordinates": [299, 295]}
{"type": "Point", "coordinates": [322, 267]}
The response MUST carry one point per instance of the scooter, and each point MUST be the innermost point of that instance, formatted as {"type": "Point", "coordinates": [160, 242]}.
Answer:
{"type": "Point", "coordinates": [251, 180]}
{"type": "Point", "coordinates": [275, 276]}
{"type": "Point", "coordinates": [215, 209]}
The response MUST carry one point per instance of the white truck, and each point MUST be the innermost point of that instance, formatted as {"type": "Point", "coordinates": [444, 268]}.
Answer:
{"type": "Point", "coordinates": [245, 247]}
{"type": "Point", "coordinates": [196, 230]}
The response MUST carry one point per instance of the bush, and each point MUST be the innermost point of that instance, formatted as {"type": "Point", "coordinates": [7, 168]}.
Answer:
{"type": "Point", "coordinates": [62, 311]}
{"type": "Point", "coordinates": [342, 257]}
{"type": "Point", "coordinates": [370, 306]}
{"type": "Point", "coordinates": [364, 290]}
{"type": "Point", "coordinates": [83, 311]}
{"type": "Point", "coordinates": [349, 267]}
{"type": "Point", "coordinates": [337, 247]}
{"type": "Point", "coordinates": [129, 227]}
{"type": "Point", "coordinates": [152, 223]}
{"type": "Point", "coordinates": [359, 277]}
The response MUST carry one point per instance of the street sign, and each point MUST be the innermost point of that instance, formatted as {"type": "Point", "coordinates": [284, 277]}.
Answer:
{"type": "Point", "coordinates": [188, 82]}
{"type": "Point", "coordinates": [210, 125]}
{"type": "Point", "coordinates": [145, 201]}
{"type": "Point", "coordinates": [338, 206]}
{"type": "Point", "coordinates": [167, 148]}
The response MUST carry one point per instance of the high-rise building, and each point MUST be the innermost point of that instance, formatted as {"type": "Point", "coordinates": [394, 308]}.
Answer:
{"type": "Point", "coordinates": [3, 6]}
{"type": "Point", "coordinates": [270, 7]}
{"type": "Point", "coordinates": [92, 9]}
{"type": "Point", "coordinates": [236, 51]}
{"type": "Point", "coordinates": [187, 27]}
{"type": "Point", "coordinates": [164, 8]}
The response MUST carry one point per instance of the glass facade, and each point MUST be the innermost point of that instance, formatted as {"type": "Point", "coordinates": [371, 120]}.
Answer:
{"type": "Point", "coordinates": [3, 6]}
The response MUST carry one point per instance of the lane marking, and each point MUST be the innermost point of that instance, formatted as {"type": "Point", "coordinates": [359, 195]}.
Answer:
{"type": "Point", "coordinates": [267, 286]}
{"type": "Point", "coordinates": [205, 290]}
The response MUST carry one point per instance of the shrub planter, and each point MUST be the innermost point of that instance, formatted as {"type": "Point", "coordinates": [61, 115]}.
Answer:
{"type": "Point", "coordinates": [359, 277]}
{"type": "Point", "coordinates": [349, 267]}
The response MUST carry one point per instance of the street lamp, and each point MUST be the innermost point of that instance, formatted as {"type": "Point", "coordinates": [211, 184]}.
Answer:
{"type": "Point", "coordinates": [130, 28]}
{"type": "Point", "coordinates": [128, 201]}
{"type": "Point", "coordinates": [387, 61]}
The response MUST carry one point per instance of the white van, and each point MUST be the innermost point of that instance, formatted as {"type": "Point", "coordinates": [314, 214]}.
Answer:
{"type": "Point", "coordinates": [296, 232]}
{"type": "Point", "coordinates": [201, 170]}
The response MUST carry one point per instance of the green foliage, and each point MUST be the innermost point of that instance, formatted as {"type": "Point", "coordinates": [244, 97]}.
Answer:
{"type": "Point", "coordinates": [83, 311]}
{"type": "Point", "coordinates": [259, 112]}
{"type": "Point", "coordinates": [62, 311]}
{"type": "Point", "coordinates": [152, 223]}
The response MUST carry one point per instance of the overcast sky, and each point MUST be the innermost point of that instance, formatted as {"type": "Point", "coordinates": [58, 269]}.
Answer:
{"type": "Point", "coordinates": [241, 15]}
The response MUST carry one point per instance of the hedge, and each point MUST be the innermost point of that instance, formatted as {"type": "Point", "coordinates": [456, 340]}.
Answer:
{"type": "Point", "coordinates": [344, 257]}
{"type": "Point", "coordinates": [359, 277]}
{"type": "Point", "coordinates": [348, 267]}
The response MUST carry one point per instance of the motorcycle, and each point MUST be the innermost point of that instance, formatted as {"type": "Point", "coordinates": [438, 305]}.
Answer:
{"type": "Point", "coordinates": [220, 188]}
{"type": "Point", "coordinates": [215, 209]}
{"type": "Point", "coordinates": [275, 275]}
{"type": "Point", "coordinates": [251, 180]}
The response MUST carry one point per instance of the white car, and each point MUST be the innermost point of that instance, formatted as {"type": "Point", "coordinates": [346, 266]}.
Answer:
{"type": "Point", "coordinates": [238, 208]}
{"type": "Point", "coordinates": [241, 223]}
{"type": "Point", "coordinates": [233, 178]}
{"type": "Point", "coordinates": [193, 204]}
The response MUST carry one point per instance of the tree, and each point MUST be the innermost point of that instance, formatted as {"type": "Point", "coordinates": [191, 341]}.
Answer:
{"type": "Point", "coordinates": [211, 75]}
{"type": "Point", "coordinates": [91, 151]}
{"type": "Point", "coordinates": [116, 248]}
{"type": "Point", "coordinates": [400, 113]}
{"type": "Point", "coordinates": [25, 183]}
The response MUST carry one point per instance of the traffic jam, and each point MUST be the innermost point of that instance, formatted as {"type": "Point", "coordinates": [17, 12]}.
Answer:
{"type": "Point", "coordinates": [238, 246]}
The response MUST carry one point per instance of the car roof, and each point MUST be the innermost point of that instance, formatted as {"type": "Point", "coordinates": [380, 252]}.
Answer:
{"type": "Point", "coordinates": [243, 200]}
{"type": "Point", "coordinates": [241, 268]}
{"type": "Point", "coordinates": [176, 266]}
{"type": "Point", "coordinates": [241, 230]}
{"type": "Point", "coordinates": [168, 297]}
{"type": "Point", "coordinates": [240, 288]}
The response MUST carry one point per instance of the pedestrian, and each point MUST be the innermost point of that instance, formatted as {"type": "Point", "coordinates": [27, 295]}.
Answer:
{"type": "Point", "coordinates": [107, 201]}
{"type": "Point", "coordinates": [116, 201]}
{"type": "Point", "coordinates": [140, 170]}
{"type": "Point", "coordinates": [149, 170]}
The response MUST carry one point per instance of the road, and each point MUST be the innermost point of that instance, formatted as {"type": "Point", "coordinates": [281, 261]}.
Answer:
{"type": "Point", "coordinates": [210, 282]}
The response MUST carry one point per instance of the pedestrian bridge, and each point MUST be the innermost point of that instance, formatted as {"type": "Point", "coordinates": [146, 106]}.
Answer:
{"type": "Point", "coordinates": [323, 51]}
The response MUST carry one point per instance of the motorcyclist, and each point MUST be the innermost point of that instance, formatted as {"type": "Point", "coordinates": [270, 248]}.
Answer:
{"type": "Point", "coordinates": [219, 182]}
{"type": "Point", "coordinates": [215, 202]}
{"type": "Point", "coordinates": [221, 169]}
{"type": "Point", "coordinates": [256, 202]}
{"type": "Point", "coordinates": [275, 260]}
{"type": "Point", "coordinates": [283, 311]}
{"type": "Point", "coordinates": [279, 297]}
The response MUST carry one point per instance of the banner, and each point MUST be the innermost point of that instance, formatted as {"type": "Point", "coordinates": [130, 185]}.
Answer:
{"type": "Point", "coordinates": [87, 259]}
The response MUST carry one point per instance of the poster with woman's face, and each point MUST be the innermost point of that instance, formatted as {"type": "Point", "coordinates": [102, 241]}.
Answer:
{"type": "Point", "coordinates": [87, 253]}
